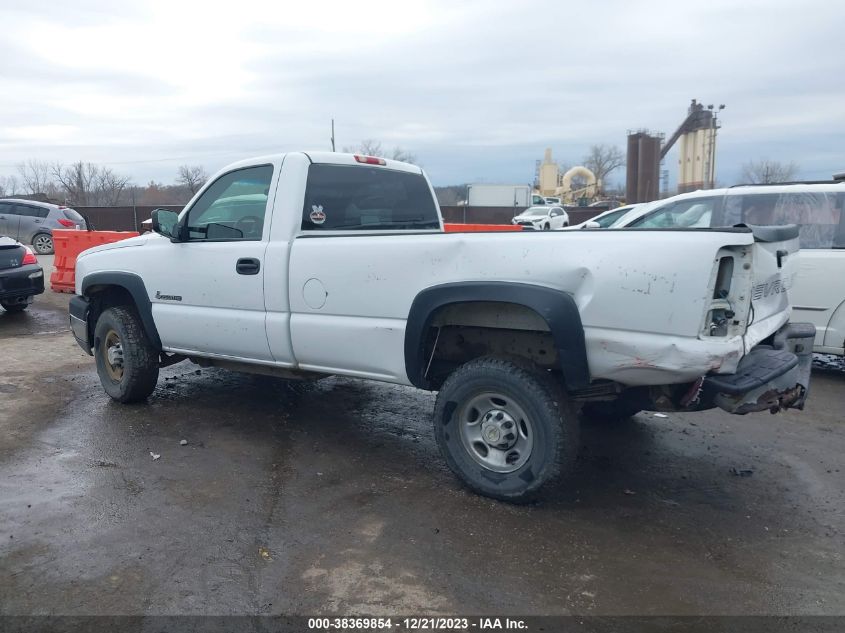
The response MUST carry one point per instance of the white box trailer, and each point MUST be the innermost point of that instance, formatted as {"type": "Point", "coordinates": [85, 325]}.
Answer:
{"type": "Point", "coordinates": [519, 196]}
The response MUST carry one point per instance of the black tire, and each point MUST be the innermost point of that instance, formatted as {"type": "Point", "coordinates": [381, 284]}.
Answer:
{"type": "Point", "coordinates": [553, 426]}
{"type": "Point", "coordinates": [135, 378]}
{"type": "Point", "coordinates": [43, 244]}
{"type": "Point", "coordinates": [610, 411]}
{"type": "Point", "coordinates": [546, 227]}
{"type": "Point", "coordinates": [14, 307]}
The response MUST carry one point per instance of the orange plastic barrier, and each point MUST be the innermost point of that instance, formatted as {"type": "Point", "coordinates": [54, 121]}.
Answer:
{"type": "Point", "coordinates": [476, 228]}
{"type": "Point", "coordinates": [67, 245]}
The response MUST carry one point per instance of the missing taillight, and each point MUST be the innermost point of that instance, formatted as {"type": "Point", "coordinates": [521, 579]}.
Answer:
{"type": "Point", "coordinates": [723, 278]}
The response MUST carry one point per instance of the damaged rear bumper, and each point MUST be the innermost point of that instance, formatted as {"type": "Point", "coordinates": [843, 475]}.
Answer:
{"type": "Point", "coordinates": [771, 377]}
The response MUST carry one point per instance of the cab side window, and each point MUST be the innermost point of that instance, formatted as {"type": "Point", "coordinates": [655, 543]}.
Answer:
{"type": "Point", "coordinates": [232, 208]}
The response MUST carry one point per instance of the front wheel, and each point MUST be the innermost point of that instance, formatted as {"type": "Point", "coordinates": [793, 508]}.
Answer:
{"type": "Point", "coordinates": [127, 363]}
{"type": "Point", "coordinates": [546, 227]}
{"type": "Point", "coordinates": [505, 430]}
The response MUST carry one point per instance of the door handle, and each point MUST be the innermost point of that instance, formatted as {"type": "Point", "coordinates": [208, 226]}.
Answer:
{"type": "Point", "coordinates": [248, 266]}
{"type": "Point", "coordinates": [780, 255]}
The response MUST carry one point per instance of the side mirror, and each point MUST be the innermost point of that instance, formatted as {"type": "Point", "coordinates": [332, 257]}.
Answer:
{"type": "Point", "coordinates": [166, 223]}
{"type": "Point", "coordinates": [592, 224]}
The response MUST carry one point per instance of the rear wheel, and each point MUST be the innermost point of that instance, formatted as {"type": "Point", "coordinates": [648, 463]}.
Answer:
{"type": "Point", "coordinates": [504, 429]}
{"type": "Point", "coordinates": [127, 363]}
{"type": "Point", "coordinates": [43, 244]}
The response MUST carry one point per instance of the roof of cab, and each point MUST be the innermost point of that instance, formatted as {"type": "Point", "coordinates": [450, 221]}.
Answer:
{"type": "Point", "coordinates": [330, 158]}
{"type": "Point", "coordinates": [340, 158]}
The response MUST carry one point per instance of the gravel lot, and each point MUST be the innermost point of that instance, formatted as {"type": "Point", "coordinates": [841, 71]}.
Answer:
{"type": "Point", "coordinates": [331, 498]}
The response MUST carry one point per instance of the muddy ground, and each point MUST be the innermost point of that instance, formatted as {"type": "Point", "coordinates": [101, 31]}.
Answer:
{"type": "Point", "coordinates": [331, 498]}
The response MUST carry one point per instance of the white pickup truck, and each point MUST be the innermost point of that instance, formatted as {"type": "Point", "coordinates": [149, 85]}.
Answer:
{"type": "Point", "coordinates": [308, 264]}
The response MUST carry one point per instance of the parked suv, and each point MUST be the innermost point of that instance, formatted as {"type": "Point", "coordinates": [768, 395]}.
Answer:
{"type": "Point", "coordinates": [817, 292]}
{"type": "Point", "coordinates": [33, 222]}
{"type": "Point", "coordinates": [543, 218]}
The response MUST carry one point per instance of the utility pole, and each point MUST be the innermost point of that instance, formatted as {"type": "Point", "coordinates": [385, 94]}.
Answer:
{"type": "Point", "coordinates": [333, 149]}
{"type": "Point", "coordinates": [711, 152]}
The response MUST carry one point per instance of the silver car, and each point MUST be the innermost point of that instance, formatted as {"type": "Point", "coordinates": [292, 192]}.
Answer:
{"type": "Point", "coordinates": [31, 222]}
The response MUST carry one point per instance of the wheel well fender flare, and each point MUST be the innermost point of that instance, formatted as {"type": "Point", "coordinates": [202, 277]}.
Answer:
{"type": "Point", "coordinates": [557, 308]}
{"type": "Point", "coordinates": [134, 285]}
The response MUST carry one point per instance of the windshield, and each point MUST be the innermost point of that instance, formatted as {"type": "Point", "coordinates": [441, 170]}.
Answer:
{"type": "Point", "coordinates": [692, 213]}
{"type": "Point", "coordinates": [609, 218]}
{"type": "Point", "coordinates": [537, 211]}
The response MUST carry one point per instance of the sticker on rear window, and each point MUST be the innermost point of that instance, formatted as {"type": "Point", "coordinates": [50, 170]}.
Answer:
{"type": "Point", "coordinates": [317, 214]}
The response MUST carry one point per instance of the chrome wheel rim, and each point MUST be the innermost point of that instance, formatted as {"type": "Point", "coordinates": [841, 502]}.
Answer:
{"type": "Point", "coordinates": [112, 352]}
{"type": "Point", "coordinates": [43, 243]}
{"type": "Point", "coordinates": [496, 432]}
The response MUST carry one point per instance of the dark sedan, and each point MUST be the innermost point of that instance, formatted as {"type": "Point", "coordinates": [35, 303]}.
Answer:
{"type": "Point", "coordinates": [21, 278]}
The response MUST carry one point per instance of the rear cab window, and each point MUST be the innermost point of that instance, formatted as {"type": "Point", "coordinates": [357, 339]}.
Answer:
{"type": "Point", "coordinates": [365, 198]}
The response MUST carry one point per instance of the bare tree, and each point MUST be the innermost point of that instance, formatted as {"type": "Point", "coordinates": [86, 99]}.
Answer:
{"type": "Point", "coordinates": [766, 171]}
{"type": "Point", "coordinates": [404, 155]}
{"type": "Point", "coordinates": [109, 186]}
{"type": "Point", "coordinates": [35, 176]}
{"type": "Point", "coordinates": [602, 160]}
{"type": "Point", "coordinates": [192, 176]}
{"type": "Point", "coordinates": [77, 181]}
{"type": "Point", "coordinates": [8, 186]}
{"type": "Point", "coordinates": [372, 147]}
{"type": "Point", "coordinates": [368, 147]}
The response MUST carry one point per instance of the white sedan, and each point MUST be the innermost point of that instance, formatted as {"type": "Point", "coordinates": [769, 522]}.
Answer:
{"type": "Point", "coordinates": [603, 220]}
{"type": "Point", "coordinates": [543, 218]}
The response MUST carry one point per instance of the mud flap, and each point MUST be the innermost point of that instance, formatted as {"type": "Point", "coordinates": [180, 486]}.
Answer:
{"type": "Point", "coordinates": [770, 377]}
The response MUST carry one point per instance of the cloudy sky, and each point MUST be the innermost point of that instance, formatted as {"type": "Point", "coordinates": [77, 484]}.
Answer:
{"type": "Point", "coordinates": [475, 89]}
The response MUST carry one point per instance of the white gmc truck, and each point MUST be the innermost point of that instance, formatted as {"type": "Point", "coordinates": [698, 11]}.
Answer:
{"type": "Point", "coordinates": [303, 265]}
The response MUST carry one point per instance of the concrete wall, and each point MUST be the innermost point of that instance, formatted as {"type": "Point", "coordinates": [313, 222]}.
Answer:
{"type": "Point", "coordinates": [121, 218]}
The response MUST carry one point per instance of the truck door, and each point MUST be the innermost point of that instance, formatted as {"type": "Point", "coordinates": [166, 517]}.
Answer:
{"type": "Point", "coordinates": [207, 291]}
